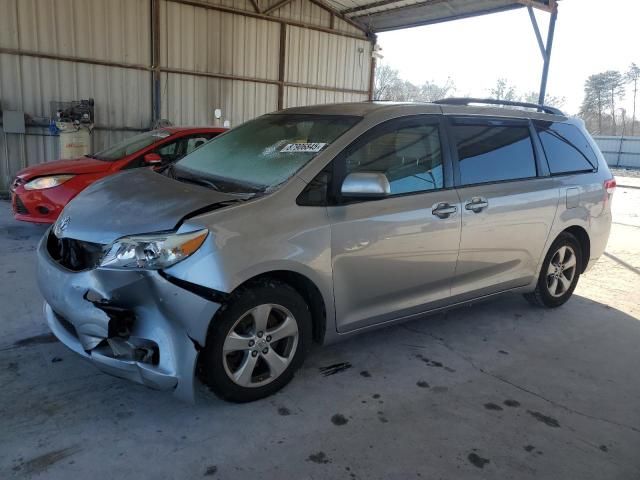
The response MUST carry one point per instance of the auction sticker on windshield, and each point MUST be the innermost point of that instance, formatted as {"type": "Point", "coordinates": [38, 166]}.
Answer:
{"type": "Point", "coordinates": [303, 147]}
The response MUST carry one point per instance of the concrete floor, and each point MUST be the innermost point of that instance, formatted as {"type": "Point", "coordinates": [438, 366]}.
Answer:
{"type": "Point", "coordinates": [500, 390]}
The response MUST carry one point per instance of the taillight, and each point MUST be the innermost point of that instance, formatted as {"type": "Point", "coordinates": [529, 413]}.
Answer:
{"type": "Point", "coordinates": [610, 185]}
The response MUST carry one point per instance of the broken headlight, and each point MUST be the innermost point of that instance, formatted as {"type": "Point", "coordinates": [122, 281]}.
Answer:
{"type": "Point", "coordinates": [153, 251]}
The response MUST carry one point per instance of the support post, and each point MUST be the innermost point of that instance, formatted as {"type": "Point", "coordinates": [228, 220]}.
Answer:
{"type": "Point", "coordinates": [156, 101]}
{"type": "Point", "coordinates": [281, 64]}
{"type": "Point", "coordinates": [547, 56]}
{"type": "Point", "coordinates": [372, 77]}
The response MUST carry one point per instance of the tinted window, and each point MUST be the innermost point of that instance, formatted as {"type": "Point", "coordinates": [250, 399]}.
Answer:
{"type": "Point", "coordinates": [566, 148]}
{"type": "Point", "coordinates": [491, 153]}
{"type": "Point", "coordinates": [409, 155]}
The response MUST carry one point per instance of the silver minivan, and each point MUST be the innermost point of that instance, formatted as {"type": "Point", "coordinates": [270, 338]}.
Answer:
{"type": "Point", "coordinates": [317, 223]}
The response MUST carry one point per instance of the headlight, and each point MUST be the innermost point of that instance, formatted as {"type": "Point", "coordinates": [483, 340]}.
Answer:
{"type": "Point", "coordinates": [47, 182]}
{"type": "Point", "coordinates": [153, 251]}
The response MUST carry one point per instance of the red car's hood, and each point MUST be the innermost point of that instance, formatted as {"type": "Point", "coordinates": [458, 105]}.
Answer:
{"type": "Point", "coordinates": [77, 166]}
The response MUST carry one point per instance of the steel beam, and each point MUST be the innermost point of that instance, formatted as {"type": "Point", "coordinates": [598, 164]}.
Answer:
{"type": "Point", "coordinates": [69, 58]}
{"type": "Point", "coordinates": [547, 56]}
{"type": "Point", "coordinates": [256, 7]}
{"type": "Point", "coordinates": [539, 5]}
{"type": "Point", "coordinates": [263, 16]}
{"type": "Point", "coordinates": [156, 100]}
{"type": "Point", "coordinates": [335, 13]}
{"type": "Point", "coordinates": [276, 6]}
{"type": "Point", "coordinates": [383, 3]}
{"type": "Point", "coordinates": [281, 64]}
{"type": "Point", "coordinates": [149, 68]}
{"type": "Point", "coordinates": [536, 29]}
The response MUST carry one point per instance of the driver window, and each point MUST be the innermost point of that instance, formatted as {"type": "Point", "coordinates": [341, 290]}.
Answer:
{"type": "Point", "coordinates": [169, 151]}
{"type": "Point", "coordinates": [195, 142]}
{"type": "Point", "coordinates": [409, 155]}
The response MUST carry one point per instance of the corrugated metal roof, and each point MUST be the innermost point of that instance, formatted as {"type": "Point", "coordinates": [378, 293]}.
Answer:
{"type": "Point", "coordinates": [384, 15]}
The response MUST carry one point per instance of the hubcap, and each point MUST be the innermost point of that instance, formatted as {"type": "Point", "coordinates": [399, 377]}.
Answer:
{"type": "Point", "coordinates": [260, 345]}
{"type": "Point", "coordinates": [561, 271]}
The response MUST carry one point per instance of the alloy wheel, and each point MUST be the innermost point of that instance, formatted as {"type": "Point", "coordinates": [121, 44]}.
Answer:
{"type": "Point", "coordinates": [561, 271]}
{"type": "Point", "coordinates": [260, 345]}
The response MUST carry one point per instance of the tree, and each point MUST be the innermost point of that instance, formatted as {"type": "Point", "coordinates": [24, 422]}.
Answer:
{"type": "Point", "coordinates": [594, 103]}
{"type": "Point", "coordinates": [550, 100]}
{"type": "Point", "coordinates": [503, 91]}
{"type": "Point", "coordinates": [614, 84]}
{"type": "Point", "coordinates": [389, 86]}
{"type": "Point", "coordinates": [632, 76]}
{"type": "Point", "coordinates": [386, 83]}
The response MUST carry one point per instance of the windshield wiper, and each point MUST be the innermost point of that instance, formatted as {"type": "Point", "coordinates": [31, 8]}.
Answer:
{"type": "Point", "coordinates": [219, 185]}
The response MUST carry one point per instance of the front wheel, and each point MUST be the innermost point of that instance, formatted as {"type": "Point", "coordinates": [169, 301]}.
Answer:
{"type": "Point", "coordinates": [257, 342]}
{"type": "Point", "coordinates": [559, 273]}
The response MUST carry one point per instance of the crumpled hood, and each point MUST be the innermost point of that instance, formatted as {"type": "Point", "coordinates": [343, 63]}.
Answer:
{"type": "Point", "coordinates": [76, 166]}
{"type": "Point", "coordinates": [135, 202]}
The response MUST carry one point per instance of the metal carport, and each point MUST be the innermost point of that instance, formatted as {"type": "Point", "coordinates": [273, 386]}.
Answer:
{"type": "Point", "coordinates": [142, 60]}
{"type": "Point", "coordinates": [386, 15]}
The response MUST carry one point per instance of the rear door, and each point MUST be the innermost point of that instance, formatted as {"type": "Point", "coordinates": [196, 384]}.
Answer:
{"type": "Point", "coordinates": [394, 256]}
{"type": "Point", "coordinates": [508, 203]}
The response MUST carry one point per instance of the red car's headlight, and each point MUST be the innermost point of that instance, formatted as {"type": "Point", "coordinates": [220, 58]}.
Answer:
{"type": "Point", "coordinates": [47, 182]}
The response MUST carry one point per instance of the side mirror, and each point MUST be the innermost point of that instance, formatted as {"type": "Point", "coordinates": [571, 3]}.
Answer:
{"type": "Point", "coordinates": [152, 159]}
{"type": "Point", "coordinates": [365, 185]}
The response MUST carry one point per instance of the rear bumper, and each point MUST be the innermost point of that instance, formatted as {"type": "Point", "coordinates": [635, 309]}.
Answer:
{"type": "Point", "coordinates": [87, 311]}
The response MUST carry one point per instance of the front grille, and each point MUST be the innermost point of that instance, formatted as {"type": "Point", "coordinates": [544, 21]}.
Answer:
{"type": "Point", "coordinates": [74, 255]}
{"type": "Point", "coordinates": [19, 207]}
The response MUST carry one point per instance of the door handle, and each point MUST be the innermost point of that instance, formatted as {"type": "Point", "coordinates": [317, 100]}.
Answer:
{"type": "Point", "coordinates": [443, 210]}
{"type": "Point", "coordinates": [476, 204]}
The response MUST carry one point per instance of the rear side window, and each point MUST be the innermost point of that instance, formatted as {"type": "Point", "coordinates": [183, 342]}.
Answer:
{"type": "Point", "coordinates": [566, 148]}
{"type": "Point", "coordinates": [494, 152]}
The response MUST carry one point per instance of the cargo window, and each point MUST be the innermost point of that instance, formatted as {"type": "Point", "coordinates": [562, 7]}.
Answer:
{"type": "Point", "coordinates": [494, 152]}
{"type": "Point", "coordinates": [566, 148]}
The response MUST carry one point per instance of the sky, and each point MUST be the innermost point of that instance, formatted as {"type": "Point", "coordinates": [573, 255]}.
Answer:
{"type": "Point", "coordinates": [591, 36]}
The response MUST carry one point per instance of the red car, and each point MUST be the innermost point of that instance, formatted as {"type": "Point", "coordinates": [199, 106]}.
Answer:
{"type": "Point", "coordinates": [39, 193]}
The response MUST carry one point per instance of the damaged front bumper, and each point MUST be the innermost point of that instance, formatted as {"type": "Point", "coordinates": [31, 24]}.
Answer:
{"type": "Point", "coordinates": [132, 324]}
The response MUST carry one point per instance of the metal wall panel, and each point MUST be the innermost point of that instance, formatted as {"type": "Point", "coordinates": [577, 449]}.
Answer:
{"type": "Point", "coordinates": [29, 84]}
{"type": "Point", "coordinates": [327, 60]}
{"type": "Point", "coordinates": [296, 97]}
{"type": "Point", "coordinates": [196, 44]}
{"type": "Point", "coordinates": [114, 30]}
{"type": "Point", "coordinates": [191, 100]}
{"type": "Point", "coordinates": [203, 40]}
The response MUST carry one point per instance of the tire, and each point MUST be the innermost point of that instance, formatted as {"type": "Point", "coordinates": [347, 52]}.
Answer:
{"type": "Point", "coordinates": [558, 279]}
{"type": "Point", "coordinates": [243, 360]}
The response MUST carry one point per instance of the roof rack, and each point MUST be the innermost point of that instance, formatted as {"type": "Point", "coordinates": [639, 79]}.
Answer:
{"type": "Point", "coordinates": [491, 101]}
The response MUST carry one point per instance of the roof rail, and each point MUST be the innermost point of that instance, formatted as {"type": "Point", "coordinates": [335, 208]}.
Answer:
{"type": "Point", "coordinates": [491, 101]}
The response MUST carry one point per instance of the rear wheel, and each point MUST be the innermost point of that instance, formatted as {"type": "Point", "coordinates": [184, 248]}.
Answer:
{"type": "Point", "coordinates": [559, 273]}
{"type": "Point", "coordinates": [257, 342]}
